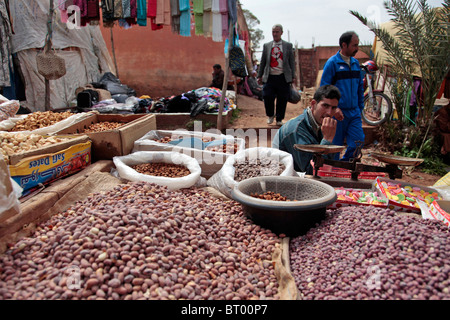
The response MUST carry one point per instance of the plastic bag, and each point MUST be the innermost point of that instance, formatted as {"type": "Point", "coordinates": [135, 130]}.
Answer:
{"type": "Point", "coordinates": [50, 130]}
{"type": "Point", "coordinates": [294, 95]}
{"type": "Point", "coordinates": [224, 181]}
{"type": "Point", "coordinates": [123, 165]}
{"type": "Point", "coordinates": [8, 109]}
{"type": "Point", "coordinates": [10, 192]}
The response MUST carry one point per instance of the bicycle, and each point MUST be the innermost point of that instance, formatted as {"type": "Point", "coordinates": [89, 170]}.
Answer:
{"type": "Point", "coordinates": [377, 105]}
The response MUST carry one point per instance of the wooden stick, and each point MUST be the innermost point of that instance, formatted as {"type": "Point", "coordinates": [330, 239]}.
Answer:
{"type": "Point", "coordinates": [47, 82]}
{"type": "Point", "coordinates": [225, 82]}
{"type": "Point", "coordinates": [114, 53]}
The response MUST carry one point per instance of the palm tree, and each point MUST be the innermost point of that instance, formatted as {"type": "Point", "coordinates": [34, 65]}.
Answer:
{"type": "Point", "coordinates": [420, 46]}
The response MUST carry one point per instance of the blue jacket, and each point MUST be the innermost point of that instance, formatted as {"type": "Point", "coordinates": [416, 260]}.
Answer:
{"type": "Point", "coordinates": [349, 82]}
{"type": "Point", "coordinates": [299, 131]}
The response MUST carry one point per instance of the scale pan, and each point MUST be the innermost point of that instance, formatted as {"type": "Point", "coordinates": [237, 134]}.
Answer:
{"type": "Point", "coordinates": [319, 148]}
{"type": "Point", "coordinates": [401, 161]}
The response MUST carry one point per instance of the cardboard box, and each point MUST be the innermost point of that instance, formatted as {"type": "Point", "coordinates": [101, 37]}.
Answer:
{"type": "Point", "coordinates": [44, 165]}
{"type": "Point", "coordinates": [412, 207]}
{"type": "Point", "coordinates": [116, 142]}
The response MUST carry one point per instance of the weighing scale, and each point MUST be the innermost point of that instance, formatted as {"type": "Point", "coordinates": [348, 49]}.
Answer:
{"type": "Point", "coordinates": [354, 165]}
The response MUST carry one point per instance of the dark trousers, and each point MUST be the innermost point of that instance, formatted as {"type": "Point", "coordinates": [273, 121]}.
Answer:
{"type": "Point", "coordinates": [276, 87]}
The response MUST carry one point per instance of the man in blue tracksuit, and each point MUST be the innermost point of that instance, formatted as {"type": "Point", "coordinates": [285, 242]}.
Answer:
{"type": "Point", "coordinates": [343, 71]}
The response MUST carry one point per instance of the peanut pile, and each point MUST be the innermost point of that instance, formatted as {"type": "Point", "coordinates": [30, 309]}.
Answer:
{"type": "Point", "coordinates": [39, 119]}
{"type": "Point", "coordinates": [162, 169]}
{"type": "Point", "coordinates": [102, 126]}
{"type": "Point", "coordinates": [270, 195]}
{"type": "Point", "coordinates": [11, 143]}
{"type": "Point", "coordinates": [228, 147]}
{"type": "Point", "coordinates": [142, 241]}
{"type": "Point", "coordinates": [174, 137]}
{"type": "Point", "coordinates": [361, 252]}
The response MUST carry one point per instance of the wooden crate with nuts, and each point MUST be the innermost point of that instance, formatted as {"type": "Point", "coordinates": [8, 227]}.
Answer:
{"type": "Point", "coordinates": [35, 160]}
{"type": "Point", "coordinates": [112, 134]}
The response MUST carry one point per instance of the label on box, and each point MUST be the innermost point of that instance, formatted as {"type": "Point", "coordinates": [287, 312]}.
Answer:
{"type": "Point", "coordinates": [33, 171]}
{"type": "Point", "coordinates": [439, 214]}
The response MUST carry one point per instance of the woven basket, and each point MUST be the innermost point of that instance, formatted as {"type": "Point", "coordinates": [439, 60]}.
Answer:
{"type": "Point", "coordinates": [50, 65]}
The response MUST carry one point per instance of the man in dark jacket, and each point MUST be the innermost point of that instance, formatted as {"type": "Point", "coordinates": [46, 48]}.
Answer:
{"type": "Point", "coordinates": [276, 72]}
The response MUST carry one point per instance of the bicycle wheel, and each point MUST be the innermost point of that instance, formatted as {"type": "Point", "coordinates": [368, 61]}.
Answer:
{"type": "Point", "coordinates": [377, 110]}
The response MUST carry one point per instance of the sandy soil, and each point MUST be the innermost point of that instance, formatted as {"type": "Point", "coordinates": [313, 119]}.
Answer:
{"type": "Point", "coordinates": [252, 116]}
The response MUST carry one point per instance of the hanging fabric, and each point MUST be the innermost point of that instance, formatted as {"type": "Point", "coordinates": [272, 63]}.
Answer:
{"type": "Point", "coordinates": [223, 8]}
{"type": "Point", "coordinates": [216, 21]}
{"type": "Point", "coordinates": [126, 8]}
{"type": "Point", "coordinates": [5, 49]}
{"type": "Point", "coordinates": [142, 13]}
{"type": "Point", "coordinates": [185, 18]}
{"type": "Point", "coordinates": [108, 13]}
{"type": "Point", "coordinates": [175, 16]}
{"type": "Point", "coordinates": [133, 9]}
{"type": "Point", "coordinates": [207, 18]}
{"type": "Point", "coordinates": [232, 11]}
{"type": "Point", "coordinates": [198, 16]}
{"type": "Point", "coordinates": [152, 9]}
{"type": "Point", "coordinates": [163, 12]}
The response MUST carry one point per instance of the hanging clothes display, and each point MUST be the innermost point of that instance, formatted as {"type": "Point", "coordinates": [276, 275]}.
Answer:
{"type": "Point", "coordinates": [142, 13]}
{"type": "Point", "coordinates": [151, 14]}
{"type": "Point", "coordinates": [108, 13]}
{"type": "Point", "coordinates": [232, 11]}
{"type": "Point", "coordinates": [5, 49]}
{"type": "Point", "coordinates": [223, 8]}
{"type": "Point", "coordinates": [210, 18]}
{"type": "Point", "coordinates": [163, 12]}
{"type": "Point", "coordinates": [185, 18]}
{"type": "Point", "coordinates": [175, 16]}
{"type": "Point", "coordinates": [207, 18]}
{"type": "Point", "coordinates": [216, 21]}
{"type": "Point", "coordinates": [126, 7]}
{"type": "Point", "coordinates": [198, 16]}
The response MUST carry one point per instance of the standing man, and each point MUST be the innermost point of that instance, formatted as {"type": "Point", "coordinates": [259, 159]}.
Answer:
{"type": "Point", "coordinates": [343, 71]}
{"type": "Point", "coordinates": [316, 125]}
{"type": "Point", "coordinates": [276, 73]}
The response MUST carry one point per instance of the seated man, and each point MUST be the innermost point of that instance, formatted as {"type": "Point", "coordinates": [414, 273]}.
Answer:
{"type": "Point", "coordinates": [218, 77]}
{"type": "Point", "coordinates": [315, 125]}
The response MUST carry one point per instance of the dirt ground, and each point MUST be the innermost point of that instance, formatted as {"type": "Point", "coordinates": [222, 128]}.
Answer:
{"type": "Point", "coordinates": [252, 116]}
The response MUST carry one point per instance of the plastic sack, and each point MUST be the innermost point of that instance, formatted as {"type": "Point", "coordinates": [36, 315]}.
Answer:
{"type": "Point", "coordinates": [294, 95]}
{"type": "Point", "coordinates": [224, 181]}
{"type": "Point", "coordinates": [10, 192]}
{"type": "Point", "coordinates": [8, 109]}
{"type": "Point", "coordinates": [123, 165]}
{"type": "Point", "coordinates": [50, 130]}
